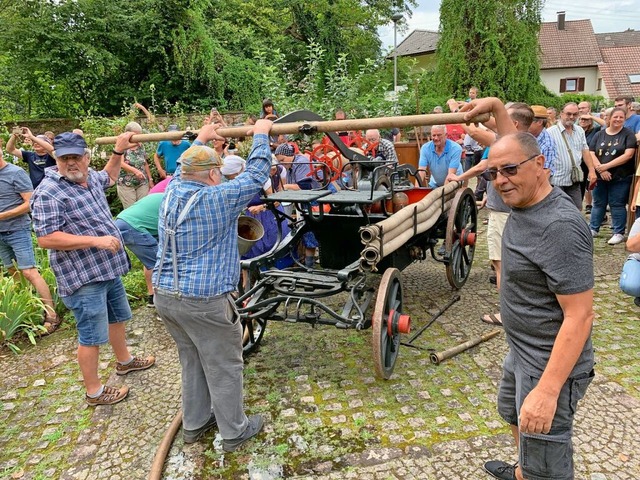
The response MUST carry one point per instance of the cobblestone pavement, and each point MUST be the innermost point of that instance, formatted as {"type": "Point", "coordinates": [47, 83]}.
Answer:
{"type": "Point", "coordinates": [328, 417]}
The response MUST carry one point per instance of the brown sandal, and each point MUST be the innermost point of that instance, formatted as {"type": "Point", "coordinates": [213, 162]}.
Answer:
{"type": "Point", "coordinates": [51, 324]}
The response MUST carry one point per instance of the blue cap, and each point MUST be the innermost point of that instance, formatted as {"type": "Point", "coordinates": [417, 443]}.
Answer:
{"type": "Point", "coordinates": [69, 143]}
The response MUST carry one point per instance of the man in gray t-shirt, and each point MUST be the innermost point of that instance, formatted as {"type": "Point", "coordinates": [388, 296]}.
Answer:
{"type": "Point", "coordinates": [547, 311]}
{"type": "Point", "coordinates": [16, 246]}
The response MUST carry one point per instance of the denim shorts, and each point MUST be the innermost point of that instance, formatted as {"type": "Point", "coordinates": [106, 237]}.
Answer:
{"type": "Point", "coordinates": [17, 246]}
{"type": "Point", "coordinates": [542, 456]}
{"type": "Point", "coordinates": [143, 245]}
{"type": "Point", "coordinates": [95, 306]}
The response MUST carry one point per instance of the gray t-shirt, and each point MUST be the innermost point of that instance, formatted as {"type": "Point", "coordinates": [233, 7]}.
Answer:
{"type": "Point", "coordinates": [13, 182]}
{"type": "Point", "coordinates": [547, 250]}
{"type": "Point", "coordinates": [494, 200]}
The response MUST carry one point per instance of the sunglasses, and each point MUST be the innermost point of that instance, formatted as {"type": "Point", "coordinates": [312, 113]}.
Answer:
{"type": "Point", "coordinates": [491, 174]}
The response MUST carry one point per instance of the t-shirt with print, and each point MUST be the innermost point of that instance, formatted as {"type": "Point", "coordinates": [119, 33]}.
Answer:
{"type": "Point", "coordinates": [547, 250]}
{"type": "Point", "coordinates": [609, 147]}
{"type": "Point", "coordinates": [37, 164]}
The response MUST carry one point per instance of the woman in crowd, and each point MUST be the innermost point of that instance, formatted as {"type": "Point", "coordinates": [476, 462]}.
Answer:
{"type": "Point", "coordinates": [135, 178]}
{"type": "Point", "coordinates": [612, 150]}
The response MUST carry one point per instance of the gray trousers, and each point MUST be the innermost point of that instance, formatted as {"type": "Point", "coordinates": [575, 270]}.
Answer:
{"type": "Point", "coordinates": [208, 335]}
{"type": "Point", "coordinates": [575, 194]}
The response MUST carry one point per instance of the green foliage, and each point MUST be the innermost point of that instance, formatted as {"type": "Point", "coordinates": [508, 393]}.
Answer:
{"type": "Point", "coordinates": [21, 311]}
{"type": "Point", "coordinates": [359, 94]}
{"type": "Point", "coordinates": [490, 44]}
{"type": "Point", "coordinates": [87, 57]}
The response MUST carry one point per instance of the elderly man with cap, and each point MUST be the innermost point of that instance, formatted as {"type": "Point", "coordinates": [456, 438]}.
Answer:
{"type": "Point", "coordinates": [38, 159]}
{"type": "Point", "coordinates": [197, 270]}
{"type": "Point", "coordinates": [169, 151]}
{"type": "Point", "coordinates": [71, 218]}
{"type": "Point", "coordinates": [546, 143]}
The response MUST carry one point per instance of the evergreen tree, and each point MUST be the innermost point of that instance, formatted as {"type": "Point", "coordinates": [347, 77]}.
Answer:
{"type": "Point", "coordinates": [490, 44]}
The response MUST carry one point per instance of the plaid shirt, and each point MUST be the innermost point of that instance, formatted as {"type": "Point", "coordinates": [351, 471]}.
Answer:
{"type": "Point", "coordinates": [59, 205]}
{"type": "Point", "coordinates": [387, 151]}
{"type": "Point", "coordinates": [207, 240]}
{"type": "Point", "coordinates": [549, 150]}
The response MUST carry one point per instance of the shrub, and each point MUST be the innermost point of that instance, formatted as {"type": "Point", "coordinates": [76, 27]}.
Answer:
{"type": "Point", "coordinates": [21, 311]}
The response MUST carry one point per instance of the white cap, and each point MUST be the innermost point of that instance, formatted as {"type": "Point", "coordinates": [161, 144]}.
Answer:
{"type": "Point", "coordinates": [232, 164]}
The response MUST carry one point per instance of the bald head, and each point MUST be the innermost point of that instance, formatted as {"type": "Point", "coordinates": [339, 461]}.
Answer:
{"type": "Point", "coordinates": [372, 135]}
{"type": "Point", "coordinates": [520, 179]}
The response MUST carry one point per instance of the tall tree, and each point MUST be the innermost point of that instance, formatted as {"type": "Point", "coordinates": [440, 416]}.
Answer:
{"type": "Point", "coordinates": [490, 44]}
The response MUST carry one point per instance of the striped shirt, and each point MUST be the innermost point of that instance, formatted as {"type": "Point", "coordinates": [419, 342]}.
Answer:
{"type": "Point", "coordinates": [207, 240]}
{"type": "Point", "coordinates": [59, 205]}
{"type": "Point", "coordinates": [577, 141]}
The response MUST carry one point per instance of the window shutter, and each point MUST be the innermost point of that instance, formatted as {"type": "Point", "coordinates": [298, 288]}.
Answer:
{"type": "Point", "coordinates": [581, 84]}
{"type": "Point", "coordinates": [563, 85]}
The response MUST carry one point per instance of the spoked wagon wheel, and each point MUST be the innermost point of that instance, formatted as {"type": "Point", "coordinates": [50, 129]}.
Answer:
{"type": "Point", "coordinates": [252, 332]}
{"type": "Point", "coordinates": [388, 323]}
{"type": "Point", "coordinates": [460, 242]}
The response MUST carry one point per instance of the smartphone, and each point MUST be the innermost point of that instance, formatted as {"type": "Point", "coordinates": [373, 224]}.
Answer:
{"type": "Point", "coordinates": [17, 131]}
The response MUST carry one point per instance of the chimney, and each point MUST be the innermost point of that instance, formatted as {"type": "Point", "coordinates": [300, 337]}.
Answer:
{"type": "Point", "coordinates": [561, 20]}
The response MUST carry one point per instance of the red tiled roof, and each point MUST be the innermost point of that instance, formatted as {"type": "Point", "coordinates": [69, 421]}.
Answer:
{"type": "Point", "coordinates": [575, 46]}
{"type": "Point", "coordinates": [618, 39]}
{"type": "Point", "coordinates": [619, 62]}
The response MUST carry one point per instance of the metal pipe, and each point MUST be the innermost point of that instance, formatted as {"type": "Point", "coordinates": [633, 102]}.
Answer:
{"type": "Point", "coordinates": [316, 126]}
{"type": "Point", "coordinates": [438, 357]}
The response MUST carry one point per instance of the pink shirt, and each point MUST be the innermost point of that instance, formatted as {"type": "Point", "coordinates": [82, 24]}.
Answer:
{"type": "Point", "coordinates": [160, 187]}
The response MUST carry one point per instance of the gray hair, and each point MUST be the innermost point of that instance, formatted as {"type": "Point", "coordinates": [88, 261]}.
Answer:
{"type": "Point", "coordinates": [439, 127]}
{"type": "Point", "coordinates": [133, 127]}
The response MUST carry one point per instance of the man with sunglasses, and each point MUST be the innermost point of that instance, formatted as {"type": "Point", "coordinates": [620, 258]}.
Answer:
{"type": "Point", "coordinates": [546, 301]}
{"type": "Point", "coordinates": [518, 117]}
{"type": "Point", "coordinates": [572, 151]}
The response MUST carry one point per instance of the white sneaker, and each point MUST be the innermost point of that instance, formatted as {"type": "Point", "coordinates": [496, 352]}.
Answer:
{"type": "Point", "coordinates": [594, 234]}
{"type": "Point", "coordinates": [616, 239]}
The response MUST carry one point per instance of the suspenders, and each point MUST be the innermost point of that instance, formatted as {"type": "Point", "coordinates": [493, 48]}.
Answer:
{"type": "Point", "coordinates": [170, 234]}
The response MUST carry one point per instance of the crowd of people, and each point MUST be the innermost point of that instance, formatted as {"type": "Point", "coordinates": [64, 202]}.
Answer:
{"type": "Point", "coordinates": [534, 173]}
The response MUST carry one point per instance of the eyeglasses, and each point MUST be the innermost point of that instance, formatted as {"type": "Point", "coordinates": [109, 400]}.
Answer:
{"type": "Point", "coordinates": [491, 174]}
{"type": "Point", "coordinates": [571, 114]}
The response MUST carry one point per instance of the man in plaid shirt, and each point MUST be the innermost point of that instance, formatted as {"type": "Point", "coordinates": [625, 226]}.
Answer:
{"type": "Point", "coordinates": [71, 218]}
{"type": "Point", "coordinates": [198, 267]}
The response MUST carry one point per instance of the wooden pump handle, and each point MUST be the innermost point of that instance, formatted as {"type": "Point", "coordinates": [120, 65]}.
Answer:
{"type": "Point", "coordinates": [321, 127]}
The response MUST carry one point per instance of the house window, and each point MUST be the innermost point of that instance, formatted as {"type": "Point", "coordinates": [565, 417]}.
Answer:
{"type": "Point", "coordinates": [575, 84]}
{"type": "Point", "coordinates": [634, 78]}
{"type": "Point", "coordinates": [599, 84]}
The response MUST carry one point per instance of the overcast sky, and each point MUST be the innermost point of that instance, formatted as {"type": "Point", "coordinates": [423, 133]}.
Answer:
{"type": "Point", "coordinates": [606, 16]}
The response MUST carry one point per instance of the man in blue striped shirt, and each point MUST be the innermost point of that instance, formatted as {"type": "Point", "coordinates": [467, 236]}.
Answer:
{"type": "Point", "coordinates": [198, 267]}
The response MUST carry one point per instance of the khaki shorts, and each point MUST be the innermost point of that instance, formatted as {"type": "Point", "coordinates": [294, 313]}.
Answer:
{"type": "Point", "coordinates": [497, 221]}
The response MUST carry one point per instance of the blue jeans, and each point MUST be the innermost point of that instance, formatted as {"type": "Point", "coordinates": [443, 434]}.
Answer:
{"type": "Point", "coordinates": [95, 306]}
{"type": "Point", "coordinates": [17, 246]}
{"type": "Point", "coordinates": [630, 277]}
{"type": "Point", "coordinates": [614, 193]}
{"type": "Point", "coordinates": [143, 245]}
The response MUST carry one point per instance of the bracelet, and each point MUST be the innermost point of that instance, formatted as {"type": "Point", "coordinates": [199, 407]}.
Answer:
{"type": "Point", "coordinates": [115, 152]}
